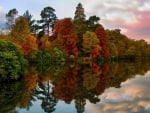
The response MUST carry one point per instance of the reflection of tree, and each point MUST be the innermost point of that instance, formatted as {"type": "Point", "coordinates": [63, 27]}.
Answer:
{"type": "Point", "coordinates": [102, 84]}
{"type": "Point", "coordinates": [125, 70]}
{"type": "Point", "coordinates": [85, 91]}
{"type": "Point", "coordinates": [46, 95]}
{"type": "Point", "coordinates": [78, 83]}
{"type": "Point", "coordinates": [90, 76]}
{"type": "Point", "coordinates": [65, 87]}
{"type": "Point", "coordinates": [10, 96]}
{"type": "Point", "coordinates": [31, 79]}
{"type": "Point", "coordinates": [79, 104]}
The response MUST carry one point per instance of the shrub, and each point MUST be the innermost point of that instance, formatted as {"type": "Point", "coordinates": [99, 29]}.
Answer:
{"type": "Point", "coordinates": [12, 62]}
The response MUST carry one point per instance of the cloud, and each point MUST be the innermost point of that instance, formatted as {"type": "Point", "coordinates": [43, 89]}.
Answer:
{"type": "Point", "coordinates": [2, 15]}
{"type": "Point", "coordinates": [133, 96]}
{"type": "Point", "coordinates": [130, 15]}
{"type": "Point", "coordinates": [145, 6]}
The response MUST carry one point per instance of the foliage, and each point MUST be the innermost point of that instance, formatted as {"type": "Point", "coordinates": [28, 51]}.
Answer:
{"type": "Point", "coordinates": [79, 13]}
{"type": "Point", "coordinates": [124, 48]}
{"type": "Point", "coordinates": [44, 42]}
{"type": "Point", "coordinates": [31, 21]}
{"type": "Point", "coordinates": [12, 62]}
{"type": "Point", "coordinates": [100, 60]}
{"type": "Point", "coordinates": [58, 55]}
{"type": "Point", "coordinates": [44, 60]}
{"type": "Point", "coordinates": [70, 38]}
{"type": "Point", "coordinates": [10, 96]}
{"type": "Point", "coordinates": [101, 35]}
{"type": "Point", "coordinates": [65, 36]}
{"type": "Point", "coordinates": [92, 23]}
{"type": "Point", "coordinates": [20, 31]}
{"type": "Point", "coordinates": [20, 34]}
{"type": "Point", "coordinates": [90, 42]}
{"type": "Point", "coordinates": [113, 50]}
{"type": "Point", "coordinates": [79, 24]}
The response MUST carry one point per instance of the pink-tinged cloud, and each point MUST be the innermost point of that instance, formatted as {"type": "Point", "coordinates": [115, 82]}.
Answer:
{"type": "Point", "coordinates": [136, 29]}
{"type": "Point", "coordinates": [140, 29]}
{"type": "Point", "coordinates": [131, 16]}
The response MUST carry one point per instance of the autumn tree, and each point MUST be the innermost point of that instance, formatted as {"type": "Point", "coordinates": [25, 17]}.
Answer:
{"type": "Point", "coordinates": [65, 87]}
{"type": "Point", "coordinates": [103, 78]}
{"type": "Point", "coordinates": [65, 36]}
{"type": "Point", "coordinates": [122, 47]}
{"type": "Point", "coordinates": [48, 18]}
{"type": "Point", "coordinates": [20, 34]}
{"type": "Point", "coordinates": [113, 50]}
{"type": "Point", "coordinates": [20, 30]}
{"type": "Point", "coordinates": [11, 17]}
{"type": "Point", "coordinates": [90, 42]}
{"type": "Point", "coordinates": [101, 35]}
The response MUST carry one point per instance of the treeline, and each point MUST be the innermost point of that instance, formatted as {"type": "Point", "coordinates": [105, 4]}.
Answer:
{"type": "Point", "coordinates": [51, 40]}
{"type": "Point", "coordinates": [77, 37]}
{"type": "Point", "coordinates": [122, 47]}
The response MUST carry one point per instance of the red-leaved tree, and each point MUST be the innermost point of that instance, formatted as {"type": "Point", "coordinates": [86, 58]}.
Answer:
{"type": "Point", "coordinates": [65, 36]}
{"type": "Point", "coordinates": [101, 35]}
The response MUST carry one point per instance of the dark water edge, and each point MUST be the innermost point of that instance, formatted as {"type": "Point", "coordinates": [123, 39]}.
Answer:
{"type": "Point", "coordinates": [75, 88]}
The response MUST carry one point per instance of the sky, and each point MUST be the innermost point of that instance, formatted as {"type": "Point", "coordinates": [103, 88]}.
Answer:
{"type": "Point", "coordinates": [132, 97]}
{"type": "Point", "coordinates": [131, 16]}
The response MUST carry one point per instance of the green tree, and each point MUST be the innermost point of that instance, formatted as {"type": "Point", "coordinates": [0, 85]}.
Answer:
{"type": "Point", "coordinates": [79, 24]}
{"type": "Point", "coordinates": [12, 63]}
{"type": "Point", "coordinates": [44, 59]}
{"type": "Point", "coordinates": [58, 55]}
{"type": "Point", "coordinates": [92, 22]}
{"type": "Point", "coordinates": [48, 18]}
{"type": "Point", "coordinates": [11, 17]}
{"type": "Point", "coordinates": [28, 16]}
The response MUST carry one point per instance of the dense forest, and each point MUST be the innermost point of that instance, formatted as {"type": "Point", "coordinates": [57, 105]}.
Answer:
{"type": "Point", "coordinates": [53, 41]}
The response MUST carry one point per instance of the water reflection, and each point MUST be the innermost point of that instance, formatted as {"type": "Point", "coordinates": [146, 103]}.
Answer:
{"type": "Point", "coordinates": [10, 96]}
{"type": "Point", "coordinates": [44, 92]}
{"type": "Point", "coordinates": [132, 97]}
{"type": "Point", "coordinates": [90, 88]}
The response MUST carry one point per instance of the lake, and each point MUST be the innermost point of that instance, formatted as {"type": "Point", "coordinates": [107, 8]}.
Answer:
{"type": "Point", "coordinates": [117, 87]}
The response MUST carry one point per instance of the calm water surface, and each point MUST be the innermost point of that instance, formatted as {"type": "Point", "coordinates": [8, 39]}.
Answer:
{"type": "Point", "coordinates": [112, 88]}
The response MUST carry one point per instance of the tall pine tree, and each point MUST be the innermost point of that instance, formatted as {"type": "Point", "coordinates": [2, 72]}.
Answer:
{"type": "Point", "coordinates": [31, 21]}
{"type": "Point", "coordinates": [80, 24]}
{"type": "Point", "coordinates": [48, 18]}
